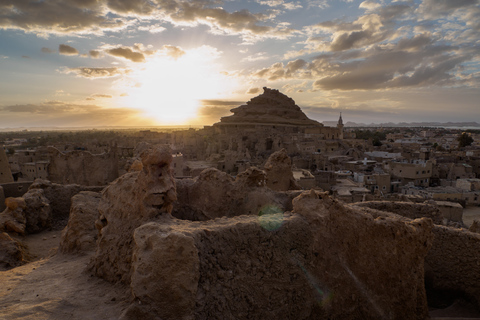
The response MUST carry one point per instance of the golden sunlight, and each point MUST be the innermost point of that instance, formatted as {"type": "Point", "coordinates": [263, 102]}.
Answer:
{"type": "Point", "coordinates": [169, 90]}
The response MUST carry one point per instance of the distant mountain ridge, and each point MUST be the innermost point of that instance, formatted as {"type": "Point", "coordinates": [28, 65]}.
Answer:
{"type": "Point", "coordinates": [407, 124]}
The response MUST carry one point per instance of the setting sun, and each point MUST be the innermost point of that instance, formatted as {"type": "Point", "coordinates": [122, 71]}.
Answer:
{"type": "Point", "coordinates": [169, 89]}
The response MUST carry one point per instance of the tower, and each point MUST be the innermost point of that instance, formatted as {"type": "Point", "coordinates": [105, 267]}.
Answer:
{"type": "Point", "coordinates": [340, 127]}
{"type": "Point", "coordinates": [5, 173]}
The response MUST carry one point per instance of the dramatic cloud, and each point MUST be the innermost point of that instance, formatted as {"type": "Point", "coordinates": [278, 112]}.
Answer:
{"type": "Point", "coordinates": [67, 50]}
{"type": "Point", "coordinates": [373, 53]}
{"type": "Point", "coordinates": [93, 73]}
{"type": "Point", "coordinates": [96, 17]}
{"type": "Point", "coordinates": [58, 17]}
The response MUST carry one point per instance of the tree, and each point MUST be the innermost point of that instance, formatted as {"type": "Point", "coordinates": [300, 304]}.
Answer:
{"type": "Point", "coordinates": [464, 140]}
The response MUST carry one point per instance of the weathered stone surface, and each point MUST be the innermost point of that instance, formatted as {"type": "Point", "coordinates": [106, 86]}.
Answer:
{"type": "Point", "coordinates": [279, 172]}
{"type": "Point", "coordinates": [12, 219]}
{"type": "Point", "coordinates": [128, 202]}
{"type": "Point", "coordinates": [38, 213]}
{"type": "Point", "coordinates": [271, 107]}
{"type": "Point", "coordinates": [11, 253]}
{"type": "Point", "coordinates": [373, 265]}
{"type": "Point", "coordinates": [82, 167]}
{"type": "Point", "coordinates": [80, 233]}
{"type": "Point", "coordinates": [406, 209]}
{"type": "Point", "coordinates": [169, 260]}
{"type": "Point", "coordinates": [216, 194]}
{"type": "Point", "coordinates": [323, 261]}
{"type": "Point", "coordinates": [452, 265]}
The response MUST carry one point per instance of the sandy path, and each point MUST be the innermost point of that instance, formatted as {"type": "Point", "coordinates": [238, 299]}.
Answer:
{"type": "Point", "coordinates": [58, 288]}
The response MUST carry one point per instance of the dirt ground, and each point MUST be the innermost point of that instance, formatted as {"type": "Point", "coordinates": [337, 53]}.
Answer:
{"type": "Point", "coordinates": [56, 286]}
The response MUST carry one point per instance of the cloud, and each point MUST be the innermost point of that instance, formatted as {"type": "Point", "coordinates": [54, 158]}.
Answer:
{"type": "Point", "coordinates": [47, 50]}
{"type": "Point", "coordinates": [100, 95]}
{"type": "Point", "coordinates": [381, 50]}
{"type": "Point", "coordinates": [172, 51]}
{"type": "Point", "coordinates": [431, 9]}
{"type": "Point", "coordinates": [126, 53]}
{"type": "Point", "coordinates": [26, 57]}
{"type": "Point", "coordinates": [76, 17]}
{"type": "Point", "coordinates": [93, 73]}
{"type": "Point", "coordinates": [58, 17]}
{"type": "Point", "coordinates": [259, 56]}
{"type": "Point", "coordinates": [253, 91]}
{"type": "Point", "coordinates": [95, 54]}
{"type": "Point", "coordinates": [67, 50]}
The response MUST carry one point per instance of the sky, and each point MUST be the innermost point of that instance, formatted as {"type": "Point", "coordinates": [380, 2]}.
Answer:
{"type": "Point", "coordinates": [93, 63]}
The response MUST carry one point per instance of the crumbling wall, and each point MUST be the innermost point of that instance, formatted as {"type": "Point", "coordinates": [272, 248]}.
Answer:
{"type": "Point", "coordinates": [405, 209]}
{"type": "Point", "coordinates": [279, 172]}
{"type": "Point", "coordinates": [28, 214]}
{"type": "Point", "coordinates": [59, 197]}
{"type": "Point", "coordinates": [322, 261]}
{"type": "Point", "coordinates": [82, 167]}
{"type": "Point", "coordinates": [80, 233]}
{"type": "Point", "coordinates": [452, 268]}
{"type": "Point", "coordinates": [216, 194]}
{"type": "Point", "coordinates": [130, 201]}
{"type": "Point", "coordinates": [452, 265]}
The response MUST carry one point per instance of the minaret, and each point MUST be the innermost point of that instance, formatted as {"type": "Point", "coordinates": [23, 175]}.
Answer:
{"type": "Point", "coordinates": [5, 173]}
{"type": "Point", "coordinates": [340, 127]}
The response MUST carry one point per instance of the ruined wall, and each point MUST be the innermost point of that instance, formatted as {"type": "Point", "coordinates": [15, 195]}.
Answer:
{"type": "Point", "coordinates": [80, 233]}
{"type": "Point", "coordinates": [406, 209]}
{"type": "Point", "coordinates": [452, 264]}
{"type": "Point", "coordinates": [452, 269]}
{"type": "Point", "coordinates": [322, 261]}
{"type": "Point", "coordinates": [60, 197]}
{"type": "Point", "coordinates": [82, 167]}
{"type": "Point", "coordinates": [216, 194]}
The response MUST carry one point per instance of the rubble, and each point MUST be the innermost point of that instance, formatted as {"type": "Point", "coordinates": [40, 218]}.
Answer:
{"type": "Point", "coordinates": [11, 252]}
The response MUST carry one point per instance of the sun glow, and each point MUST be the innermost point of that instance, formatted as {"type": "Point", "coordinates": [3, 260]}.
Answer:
{"type": "Point", "coordinates": [169, 90]}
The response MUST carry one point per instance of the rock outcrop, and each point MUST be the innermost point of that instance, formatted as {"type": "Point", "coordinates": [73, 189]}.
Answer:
{"type": "Point", "coordinates": [80, 234]}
